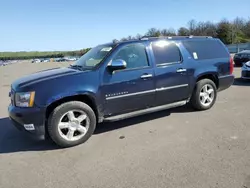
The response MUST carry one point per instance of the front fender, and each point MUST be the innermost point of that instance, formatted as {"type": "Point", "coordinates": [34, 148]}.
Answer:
{"type": "Point", "coordinates": [60, 96]}
{"type": "Point", "coordinates": [95, 104]}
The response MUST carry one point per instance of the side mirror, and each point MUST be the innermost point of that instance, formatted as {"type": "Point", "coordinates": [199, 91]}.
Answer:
{"type": "Point", "coordinates": [118, 64]}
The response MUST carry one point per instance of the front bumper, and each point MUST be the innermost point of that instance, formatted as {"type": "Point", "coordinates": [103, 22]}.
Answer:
{"type": "Point", "coordinates": [29, 120]}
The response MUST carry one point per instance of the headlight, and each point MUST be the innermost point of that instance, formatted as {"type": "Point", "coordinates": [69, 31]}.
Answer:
{"type": "Point", "coordinates": [25, 99]}
{"type": "Point", "coordinates": [247, 64]}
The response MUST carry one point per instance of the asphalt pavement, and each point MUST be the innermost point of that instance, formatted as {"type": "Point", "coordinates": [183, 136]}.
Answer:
{"type": "Point", "coordinates": [168, 149]}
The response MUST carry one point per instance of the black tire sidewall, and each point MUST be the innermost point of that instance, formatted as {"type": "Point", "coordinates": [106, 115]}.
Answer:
{"type": "Point", "coordinates": [58, 112]}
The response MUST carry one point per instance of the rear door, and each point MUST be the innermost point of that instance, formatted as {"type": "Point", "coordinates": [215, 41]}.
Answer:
{"type": "Point", "coordinates": [130, 89]}
{"type": "Point", "coordinates": [171, 73]}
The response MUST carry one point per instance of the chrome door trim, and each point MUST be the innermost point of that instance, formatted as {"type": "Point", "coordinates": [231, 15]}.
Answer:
{"type": "Point", "coordinates": [225, 76]}
{"type": "Point", "coordinates": [120, 95]}
{"type": "Point", "coordinates": [171, 87]}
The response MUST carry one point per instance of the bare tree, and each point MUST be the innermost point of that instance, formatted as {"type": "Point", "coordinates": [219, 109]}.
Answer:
{"type": "Point", "coordinates": [192, 26]}
{"type": "Point", "coordinates": [115, 40]}
{"type": "Point", "coordinates": [168, 32]}
{"type": "Point", "coordinates": [153, 32]}
{"type": "Point", "coordinates": [138, 36]}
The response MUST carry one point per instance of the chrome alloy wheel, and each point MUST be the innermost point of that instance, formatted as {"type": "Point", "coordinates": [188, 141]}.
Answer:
{"type": "Point", "coordinates": [206, 95]}
{"type": "Point", "coordinates": [73, 125]}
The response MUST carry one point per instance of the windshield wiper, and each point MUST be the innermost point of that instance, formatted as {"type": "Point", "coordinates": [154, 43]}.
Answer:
{"type": "Point", "coordinates": [79, 67]}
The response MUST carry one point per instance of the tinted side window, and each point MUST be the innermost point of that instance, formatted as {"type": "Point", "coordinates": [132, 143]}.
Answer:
{"type": "Point", "coordinates": [205, 49]}
{"type": "Point", "coordinates": [134, 55]}
{"type": "Point", "coordinates": [166, 52]}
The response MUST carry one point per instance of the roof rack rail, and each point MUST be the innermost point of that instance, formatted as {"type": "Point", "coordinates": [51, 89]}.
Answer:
{"type": "Point", "coordinates": [192, 36]}
{"type": "Point", "coordinates": [173, 37]}
{"type": "Point", "coordinates": [150, 37]}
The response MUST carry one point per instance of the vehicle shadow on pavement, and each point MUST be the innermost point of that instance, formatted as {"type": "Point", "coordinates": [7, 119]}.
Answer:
{"type": "Point", "coordinates": [13, 140]}
{"type": "Point", "coordinates": [110, 126]}
{"type": "Point", "coordinates": [241, 82]}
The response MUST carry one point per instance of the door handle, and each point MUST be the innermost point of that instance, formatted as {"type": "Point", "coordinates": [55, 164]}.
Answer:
{"type": "Point", "coordinates": [181, 70]}
{"type": "Point", "coordinates": [146, 76]}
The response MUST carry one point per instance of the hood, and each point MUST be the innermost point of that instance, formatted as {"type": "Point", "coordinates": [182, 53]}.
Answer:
{"type": "Point", "coordinates": [43, 76]}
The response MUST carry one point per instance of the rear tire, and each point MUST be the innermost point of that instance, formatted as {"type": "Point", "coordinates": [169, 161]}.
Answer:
{"type": "Point", "coordinates": [204, 95]}
{"type": "Point", "coordinates": [71, 124]}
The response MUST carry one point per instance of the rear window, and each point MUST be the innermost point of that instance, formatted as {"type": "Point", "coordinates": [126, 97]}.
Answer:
{"type": "Point", "coordinates": [206, 49]}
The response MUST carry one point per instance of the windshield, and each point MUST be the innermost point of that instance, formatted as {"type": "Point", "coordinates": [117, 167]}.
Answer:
{"type": "Point", "coordinates": [93, 57]}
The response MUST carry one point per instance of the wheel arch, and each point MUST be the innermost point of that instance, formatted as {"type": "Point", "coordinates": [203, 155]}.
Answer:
{"type": "Point", "coordinates": [210, 75]}
{"type": "Point", "coordinates": [86, 98]}
{"type": "Point", "coordinates": [207, 75]}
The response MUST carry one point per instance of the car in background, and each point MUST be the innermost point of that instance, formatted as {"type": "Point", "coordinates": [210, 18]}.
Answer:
{"type": "Point", "coordinates": [70, 58]}
{"type": "Point", "coordinates": [245, 70]}
{"type": "Point", "coordinates": [45, 60]}
{"type": "Point", "coordinates": [61, 59]}
{"type": "Point", "coordinates": [242, 57]}
{"type": "Point", "coordinates": [36, 61]}
{"type": "Point", "coordinates": [4, 63]}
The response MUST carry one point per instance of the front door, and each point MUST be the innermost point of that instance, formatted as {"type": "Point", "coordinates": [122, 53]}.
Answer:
{"type": "Point", "coordinates": [132, 88]}
{"type": "Point", "coordinates": [172, 81]}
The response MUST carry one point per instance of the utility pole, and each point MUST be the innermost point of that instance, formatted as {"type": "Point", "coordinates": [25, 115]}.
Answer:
{"type": "Point", "coordinates": [232, 32]}
{"type": "Point", "coordinates": [234, 37]}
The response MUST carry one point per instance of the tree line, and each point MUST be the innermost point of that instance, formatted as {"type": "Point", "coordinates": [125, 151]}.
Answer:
{"type": "Point", "coordinates": [230, 32]}
{"type": "Point", "coordinates": [33, 55]}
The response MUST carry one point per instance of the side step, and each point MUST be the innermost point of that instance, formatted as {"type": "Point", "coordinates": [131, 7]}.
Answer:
{"type": "Point", "coordinates": [144, 111]}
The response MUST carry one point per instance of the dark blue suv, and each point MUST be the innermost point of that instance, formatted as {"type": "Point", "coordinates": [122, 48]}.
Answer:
{"type": "Point", "coordinates": [120, 80]}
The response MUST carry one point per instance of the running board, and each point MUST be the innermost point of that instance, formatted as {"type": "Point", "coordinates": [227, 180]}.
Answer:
{"type": "Point", "coordinates": [144, 111]}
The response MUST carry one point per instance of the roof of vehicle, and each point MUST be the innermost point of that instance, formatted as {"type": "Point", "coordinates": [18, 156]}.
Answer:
{"type": "Point", "coordinates": [244, 51]}
{"type": "Point", "coordinates": [148, 38]}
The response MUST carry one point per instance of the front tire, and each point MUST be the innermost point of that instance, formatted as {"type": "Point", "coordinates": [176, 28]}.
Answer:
{"type": "Point", "coordinates": [71, 123]}
{"type": "Point", "coordinates": [204, 95]}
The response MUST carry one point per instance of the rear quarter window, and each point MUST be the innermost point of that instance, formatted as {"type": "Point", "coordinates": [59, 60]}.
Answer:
{"type": "Point", "coordinates": [206, 49]}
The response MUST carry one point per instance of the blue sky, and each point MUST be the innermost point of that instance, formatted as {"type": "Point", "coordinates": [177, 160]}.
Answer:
{"type": "Point", "coordinates": [29, 25]}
